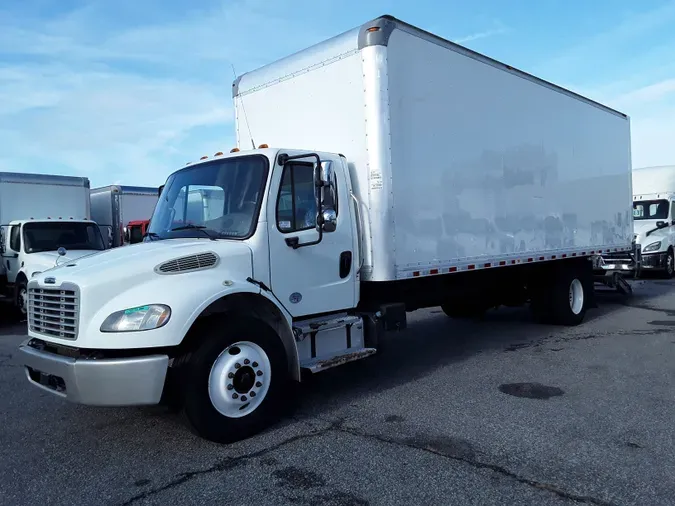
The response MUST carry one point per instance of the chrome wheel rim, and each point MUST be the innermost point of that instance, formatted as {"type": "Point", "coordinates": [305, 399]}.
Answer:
{"type": "Point", "coordinates": [239, 379]}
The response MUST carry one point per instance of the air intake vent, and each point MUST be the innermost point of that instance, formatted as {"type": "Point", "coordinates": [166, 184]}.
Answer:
{"type": "Point", "coordinates": [189, 263]}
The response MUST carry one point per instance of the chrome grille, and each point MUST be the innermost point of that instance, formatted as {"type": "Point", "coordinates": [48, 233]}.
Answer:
{"type": "Point", "coordinates": [188, 263]}
{"type": "Point", "coordinates": [54, 312]}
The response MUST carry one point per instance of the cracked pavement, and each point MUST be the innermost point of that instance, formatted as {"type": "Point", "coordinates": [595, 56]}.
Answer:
{"type": "Point", "coordinates": [499, 411]}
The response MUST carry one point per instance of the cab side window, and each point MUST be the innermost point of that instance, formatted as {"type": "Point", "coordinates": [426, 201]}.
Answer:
{"type": "Point", "coordinates": [15, 238]}
{"type": "Point", "coordinates": [296, 204]}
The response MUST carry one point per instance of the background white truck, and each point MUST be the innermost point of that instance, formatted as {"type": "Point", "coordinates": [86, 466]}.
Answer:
{"type": "Point", "coordinates": [39, 213]}
{"type": "Point", "coordinates": [407, 172]}
{"type": "Point", "coordinates": [654, 226]}
{"type": "Point", "coordinates": [114, 206]}
{"type": "Point", "coordinates": [654, 215]}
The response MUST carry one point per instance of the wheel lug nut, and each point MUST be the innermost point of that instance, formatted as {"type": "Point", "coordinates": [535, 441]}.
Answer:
{"type": "Point", "coordinates": [255, 364]}
{"type": "Point", "coordinates": [230, 387]}
{"type": "Point", "coordinates": [243, 398]}
{"type": "Point", "coordinates": [258, 384]}
{"type": "Point", "coordinates": [230, 375]}
{"type": "Point", "coordinates": [235, 396]}
{"type": "Point", "coordinates": [237, 365]}
{"type": "Point", "coordinates": [259, 373]}
{"type": "Point", "coordinates": [246, 361]}
{"type": "Point", "coordinates": [252, 394]}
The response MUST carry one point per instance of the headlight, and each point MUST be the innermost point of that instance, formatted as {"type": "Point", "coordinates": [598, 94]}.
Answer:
{"type": "Point", "coordinates": [35, 274]}
{"type": "Point", "coordinates": [655, 246]}
{"type": "Point", "coordinates": [152, 316]}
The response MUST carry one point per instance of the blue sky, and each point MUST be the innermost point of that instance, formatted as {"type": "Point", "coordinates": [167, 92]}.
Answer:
{"type": "Point", "coordinates": [126, 91]}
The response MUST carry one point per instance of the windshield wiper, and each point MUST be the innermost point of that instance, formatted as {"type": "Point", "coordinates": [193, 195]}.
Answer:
{"type": "Point", "coordinates": [201, 228]}
{"type": "Point", "coordinates": [151, 235]}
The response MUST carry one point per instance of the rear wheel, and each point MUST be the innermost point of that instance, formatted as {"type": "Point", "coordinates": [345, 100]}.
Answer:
{"type": "Point", "coordinates": [236, 382]}
{"type": "Point", "coordinates": [564, 299]}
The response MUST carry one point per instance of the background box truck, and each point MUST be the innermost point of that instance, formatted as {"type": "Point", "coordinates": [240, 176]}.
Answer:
{"type": "Point", "coordinates": [406, 172]}
{"type": "Point", "coordinates": [40, 213]}
{"type": "Point", "coordinates": [114, 206]}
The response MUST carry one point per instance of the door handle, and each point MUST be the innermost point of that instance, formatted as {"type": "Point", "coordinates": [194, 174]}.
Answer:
{"type": "Point", "coordinates": [345, 264]}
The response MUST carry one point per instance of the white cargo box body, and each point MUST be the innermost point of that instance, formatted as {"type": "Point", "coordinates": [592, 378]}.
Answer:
{"type": "Point", "coordinates": [43, 196]}
{"type": "Point", "coordinates": [458, 160]}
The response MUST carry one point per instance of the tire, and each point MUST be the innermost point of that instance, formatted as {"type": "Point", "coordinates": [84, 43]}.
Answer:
{"type": "Point", "coordinates": [569, 297]}
{"type": "Point", "coordinates": [235, 357]}
{"type": "Point", "coordinates": [21, 298]}
{"type": "Point", "coordinates": [669, 270]}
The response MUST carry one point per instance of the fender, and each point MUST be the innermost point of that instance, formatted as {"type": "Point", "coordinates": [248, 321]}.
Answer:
{"type": "Point", "coordinates": [247, 298]}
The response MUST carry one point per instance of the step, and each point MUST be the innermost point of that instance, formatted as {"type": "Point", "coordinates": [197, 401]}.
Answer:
{"type": "Point", "coordinates": [319, 364]}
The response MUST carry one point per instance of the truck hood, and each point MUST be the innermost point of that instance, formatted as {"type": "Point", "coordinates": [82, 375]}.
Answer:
{"type": "Point", "coordinates": [133, 265]}
{"type": "Point", "coordinates": [45, 260]}
{"type": "Point", "coordinates": [641, 227]}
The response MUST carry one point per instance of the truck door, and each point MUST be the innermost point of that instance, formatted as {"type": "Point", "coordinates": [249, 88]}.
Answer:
{"type": "Point", "coordinates": [314, 279]}
{"type": "Point", "coordinates": [11, 252]}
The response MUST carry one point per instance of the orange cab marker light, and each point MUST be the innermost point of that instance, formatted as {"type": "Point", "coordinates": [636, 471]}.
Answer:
{"type": "Point", "coordinates": [373, 29]}
{"type": "Point", "coordinates": [204, 157]}
{"type": "Point", "coordinates": [263, 146]}
{"type": "Point", "coordinates": [219, 153]}
{"type": "Point", "coordinates": [234, 150]}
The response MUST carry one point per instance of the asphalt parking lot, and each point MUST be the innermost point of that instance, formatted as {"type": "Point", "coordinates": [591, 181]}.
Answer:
{"type": "Point", "coordinates": [500, 411]}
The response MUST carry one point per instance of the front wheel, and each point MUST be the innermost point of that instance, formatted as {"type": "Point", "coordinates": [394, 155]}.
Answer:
{"type": "Point", "coordinates": [237, 381]}
{"type": "Point", "coordinates": [21, 298]}
{"type": "Point", "coordinates": [669, 270]}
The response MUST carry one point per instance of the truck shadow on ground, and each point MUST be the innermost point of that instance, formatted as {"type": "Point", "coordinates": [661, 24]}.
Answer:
{"type": "Point", "coordinates": [436, 341]}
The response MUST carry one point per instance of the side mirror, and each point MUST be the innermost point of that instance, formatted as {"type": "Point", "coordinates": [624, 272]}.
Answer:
{"type": "Point", "coordinates": [329, 220]}
{"type": "Point", "coordinates": [326, 173]}
{"type": "Point", "coordinates": [127, 235]}
{"type": "Point", "coordinates": [661, 224]}
{"type": "Point", "coordinates": [159, 191]}
{"type": "Point", "coordinates": [61, 251]}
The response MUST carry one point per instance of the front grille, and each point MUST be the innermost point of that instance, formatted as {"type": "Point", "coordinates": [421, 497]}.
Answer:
{"type": "Point", "coordinates": [188, 263]}
{"type": "Point", "coordinates": [53, 312]}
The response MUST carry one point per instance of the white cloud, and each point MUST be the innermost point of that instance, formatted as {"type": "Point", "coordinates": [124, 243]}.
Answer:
{"type": "Point", "coordinates": [79, 97]}
{"type": "Point", "coordinates": [499, 29]}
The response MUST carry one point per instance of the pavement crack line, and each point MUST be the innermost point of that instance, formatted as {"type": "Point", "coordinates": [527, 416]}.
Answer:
{"type": "Point", "coordinates": [478, 465]}
{"type": "Point", "coordinates": [224, 465]}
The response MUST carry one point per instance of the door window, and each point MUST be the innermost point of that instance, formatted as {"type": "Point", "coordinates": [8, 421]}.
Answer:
{"type": "Point", "coordinates": [296, 205]}
{"type": "Point", "coordinates": [15, 238]}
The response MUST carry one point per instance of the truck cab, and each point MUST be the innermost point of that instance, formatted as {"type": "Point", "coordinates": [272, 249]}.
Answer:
{"type": "Point", "coordinates": [30, 247]}
{"type": "Point", "coordinates": [654, 224]}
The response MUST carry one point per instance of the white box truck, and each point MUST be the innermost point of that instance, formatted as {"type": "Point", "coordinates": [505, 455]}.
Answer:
{"type": "Point", "coordinates": [45, 220]}
{"type": "Point", "coordinates": [113, 207]}
{"type": "Point", "coordinates": [654, 224]}
{"type": "Point", "coordinates": [407, 172]}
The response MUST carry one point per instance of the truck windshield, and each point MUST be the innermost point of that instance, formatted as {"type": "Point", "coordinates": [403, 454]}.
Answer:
{"type": "Point", "coordinates": [650, 210]}
{"type": "Point", "coordinates": [45, 236]}
{"type": "Point", "coordinates": [218, 200]}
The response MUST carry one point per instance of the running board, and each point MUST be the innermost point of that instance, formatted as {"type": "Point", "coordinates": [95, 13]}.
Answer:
{"type": "Point", "coordinates": [319, 364]}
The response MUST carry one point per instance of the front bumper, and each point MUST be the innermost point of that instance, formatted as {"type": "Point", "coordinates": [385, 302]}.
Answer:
{"type": "Point", "coordinates": [654, 261]}
{"type": "Point", "coordinates": [127, 381]}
